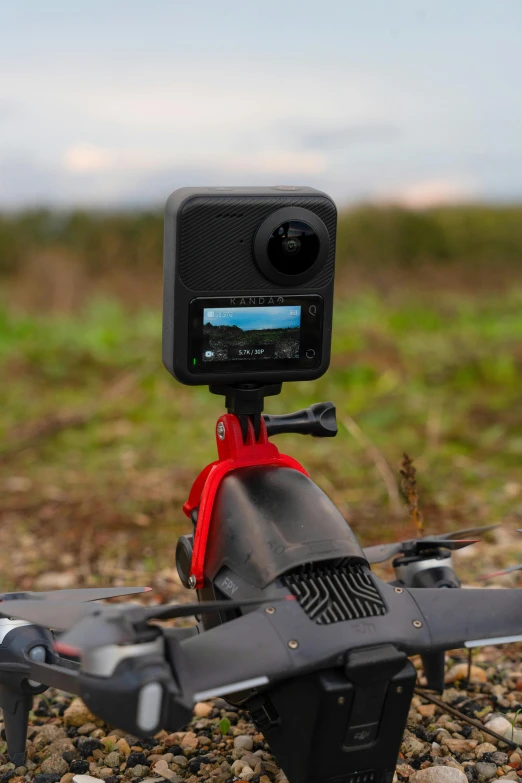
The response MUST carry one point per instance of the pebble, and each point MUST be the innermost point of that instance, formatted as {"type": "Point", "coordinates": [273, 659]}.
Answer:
{"type": "Point", "coordinates": [426, 711]}
{"type": "Point", "coordinates": [499, 757]}
{"type": "Point", "coordinates": [139, 771]}
{"type": "Point", "coordinates": [67, 778]}
{"type": "Point", "coordinates": [244, 741]}
{"type": "Point", "coordinates": [515, 735]}
{"type": "Point", "coordinates": [113, 759]}
{"type": "Point", "coordinates": [136, 758]}
{"type": "Point", "coordinates": [411, 746]}
{"type": "Point", "coordinates": [500, 725]}
{"type": "Point", "coordinates": [439, 774]}
{"type": "Point", "coordinates": [84, 779]}
{"type": "Point", "coordinates": [123, 746]}
{"type": "Point", "coordinates": [404, 770]}
{"type": "Point", "coordinates": [446, 761]}
{"type": "Point", "coordinates": [87, 745]}
{"type": "Point", "coordinates": [485, 747]}
{"type": "Point", "coordinates": [486, 769]}
{"type": "Point", "coordinates": [460, 672]}
{"type": "Point", "coordinates": [202, 709]}
{"type": "Point", "coordinates": [161, 768]}
{"type": "Point", "coordinates": [77, 714]}
{"type": "Point", "coordinates": [181, 761]}
{"type": "Point", "coordinates": [62, 746]}
{"type": "Point", "coordinates": [55, 764]}
{"type": "Point", "coordinates": [79, 766]}
{"type": "Point", "coordinates": [237, 767]}
{"type": "Point", "coordinates": [86, 728]}
{"type": "Point", "coordinates": [49, 733]}
{"type": "Point", "coordinates": [460, 745]}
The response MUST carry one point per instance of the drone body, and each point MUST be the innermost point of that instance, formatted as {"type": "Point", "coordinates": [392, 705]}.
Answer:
{"type": "Point", "coordinates": [295, 628]}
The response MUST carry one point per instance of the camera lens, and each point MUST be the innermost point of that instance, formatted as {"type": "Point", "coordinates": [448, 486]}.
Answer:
{"type": "Point", "coordinates": [293, 247]}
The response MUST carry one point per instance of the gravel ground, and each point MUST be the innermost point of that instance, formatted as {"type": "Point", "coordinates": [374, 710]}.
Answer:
{"type": "Point", "coordinates": [66, 740]}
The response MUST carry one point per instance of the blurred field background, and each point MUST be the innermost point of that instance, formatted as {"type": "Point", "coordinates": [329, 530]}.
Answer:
{"type": "Point", "coordinates": [99, 445]}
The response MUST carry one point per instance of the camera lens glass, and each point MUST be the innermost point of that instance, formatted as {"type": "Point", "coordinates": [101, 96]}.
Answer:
{"type": "Point", "coordinates": [293, 247]}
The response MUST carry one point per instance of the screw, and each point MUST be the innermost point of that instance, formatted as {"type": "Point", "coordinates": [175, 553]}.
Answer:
{"type": "Point", "coordinates": [399, 590]}
{"type": "Point", "coordinates": [270, 610]}
{"type": "Point", "coordinates": [417, 624]}
{"type": "Point", "coordinates": [293, 644]}
{"type": "Point", "coordinates": [221, 430]}
{"type": "Point", "coordinates": [400, 689]}
{"type": "Point", "coordinates": [341, 700]}
{"type": "Point", "coordinates": [192, 581]}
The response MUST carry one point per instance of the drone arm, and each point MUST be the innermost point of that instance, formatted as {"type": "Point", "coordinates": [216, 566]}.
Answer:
{"type": "Point", "coordinates": [457, 618]}
{"type": "Point", "coordinates": [55, 675]}
{"type": "Point", "coordinates": [133, 687]}
{"type": "Point", "coordinates": [245, 653]}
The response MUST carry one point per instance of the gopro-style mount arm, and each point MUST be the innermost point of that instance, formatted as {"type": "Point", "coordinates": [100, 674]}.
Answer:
{"type": "Point", "coordinates": [246, 401]}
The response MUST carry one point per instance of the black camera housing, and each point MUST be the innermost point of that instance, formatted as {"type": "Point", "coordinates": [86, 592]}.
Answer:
{"type": "Point", "coordinates": [228, 248]}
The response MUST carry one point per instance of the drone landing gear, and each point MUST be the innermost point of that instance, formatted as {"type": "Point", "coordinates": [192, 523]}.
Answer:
{"type": "Point", "coordinates": [16, 707]}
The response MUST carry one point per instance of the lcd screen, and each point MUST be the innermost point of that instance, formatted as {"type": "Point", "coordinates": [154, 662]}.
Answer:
{"type": "Point", "coordinates": [246, 333]}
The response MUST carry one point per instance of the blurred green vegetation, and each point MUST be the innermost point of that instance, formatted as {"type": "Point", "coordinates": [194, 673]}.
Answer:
{"type": "Point", "coordinates": [107, 444]}
{"type": "Point", "coordinates": [99, 445]}
{"type": "Point", "coordinates": [371, 234]}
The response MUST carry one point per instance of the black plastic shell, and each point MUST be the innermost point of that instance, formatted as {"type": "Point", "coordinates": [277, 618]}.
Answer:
{"type": "Point", "coordinates": [267, 520]}
{"type": "Point", "coordinates": [208, 251]}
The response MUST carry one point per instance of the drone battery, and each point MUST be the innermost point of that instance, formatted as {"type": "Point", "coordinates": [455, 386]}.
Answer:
{"type": "Point", "coordinates": [349, 724]}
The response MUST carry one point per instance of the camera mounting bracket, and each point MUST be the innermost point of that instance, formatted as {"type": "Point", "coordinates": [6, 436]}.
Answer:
{"type": "Point", "coordinates": [246, 401]}
{"type": "Point", "coordinates": [234, 452]}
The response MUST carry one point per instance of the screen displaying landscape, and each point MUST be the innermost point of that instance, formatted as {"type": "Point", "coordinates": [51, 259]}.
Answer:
{"type": "Point", "coordinates": [251, 333]}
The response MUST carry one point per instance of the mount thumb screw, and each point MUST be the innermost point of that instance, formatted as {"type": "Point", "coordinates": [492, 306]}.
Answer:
{"type": "Point", "coordinates": [192, 582]}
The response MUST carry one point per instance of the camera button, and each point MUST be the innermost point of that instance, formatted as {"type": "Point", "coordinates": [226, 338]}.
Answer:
{"type": "Point", "coordinates": [312, 309]}
{"type": "Point", "coordinates": [310, 353]}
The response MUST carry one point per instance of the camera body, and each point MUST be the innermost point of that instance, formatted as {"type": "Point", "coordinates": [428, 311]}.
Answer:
{"type": "Point", "coordinates": [248, 284]}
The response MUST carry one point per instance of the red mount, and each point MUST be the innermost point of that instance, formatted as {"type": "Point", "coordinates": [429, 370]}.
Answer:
{"type": "Point", "coordinates": [233, 454]}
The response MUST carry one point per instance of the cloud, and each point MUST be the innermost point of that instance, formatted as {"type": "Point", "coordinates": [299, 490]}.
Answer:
{"type": "Point", "coordinates": [359, 133]}
{"type": "Point", "coordinates": [85, 158]}
{"type": "Point", "coordinates": [88, 159]}
{"type": "Point", "coordinates": [429, 193]}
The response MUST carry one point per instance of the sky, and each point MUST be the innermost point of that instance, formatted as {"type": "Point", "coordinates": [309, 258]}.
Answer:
{"type": "Point", "coordinates": [254, 317]}
{"type": "Point", "coordinates": [115, 103]}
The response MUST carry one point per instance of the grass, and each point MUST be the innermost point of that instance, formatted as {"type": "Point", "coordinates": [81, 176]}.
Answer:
{"type": "Point", "coordinates": [99, 445]}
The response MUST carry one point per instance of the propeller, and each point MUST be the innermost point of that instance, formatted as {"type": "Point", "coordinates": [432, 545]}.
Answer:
{"type": "Point", "coordinates": [79, 594]}
{"type": "Point", "coordinates": [90, 626]}
{"type": "Point", "coordinates": [416, 546]}
{"type": "Point", "coordinates": [504, 571]}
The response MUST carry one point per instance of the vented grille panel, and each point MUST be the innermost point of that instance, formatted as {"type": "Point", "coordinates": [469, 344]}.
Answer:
{"type": "Point", "coordinates": [330, 593]}
{"type": "Point", "coordinates": [217, 235]}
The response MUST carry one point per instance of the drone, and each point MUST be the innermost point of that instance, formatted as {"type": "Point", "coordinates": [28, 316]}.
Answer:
{"type": "Point", "coordinates": [292, 621]}
{"type": "Point", "coordinates": [292, 624]}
